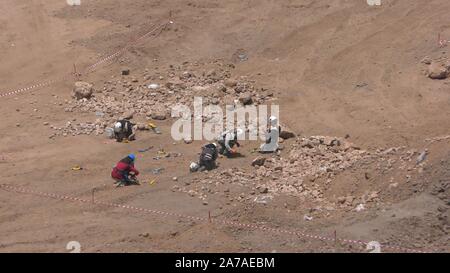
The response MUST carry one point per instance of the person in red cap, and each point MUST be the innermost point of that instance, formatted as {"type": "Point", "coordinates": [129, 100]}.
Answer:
{"type": "Point", "coordinates": [123, 170]}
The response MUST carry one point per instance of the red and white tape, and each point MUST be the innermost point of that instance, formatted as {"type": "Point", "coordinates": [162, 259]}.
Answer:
{"type": "Point", "coordinates": [200, 219]}
{"type": "Point", "coordinates": [93, 67]}
{"type": "Point", "coordinates": [441, 42]}
{"type": "Point", "coordinates": [111, 57]}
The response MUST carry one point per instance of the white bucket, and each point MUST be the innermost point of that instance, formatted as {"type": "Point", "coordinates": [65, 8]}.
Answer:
{"type": "Point", "coordinates": [109, 132]}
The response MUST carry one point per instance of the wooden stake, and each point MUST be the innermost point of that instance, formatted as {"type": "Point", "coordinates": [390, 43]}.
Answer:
{"type": "Point", "coordinates": [75, 72]}
{"type": "Point", "coordinates": [93, 191]}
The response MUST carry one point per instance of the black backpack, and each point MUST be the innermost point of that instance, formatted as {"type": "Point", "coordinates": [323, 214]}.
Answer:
{"type": "Point", "coordinates": [208, 153]}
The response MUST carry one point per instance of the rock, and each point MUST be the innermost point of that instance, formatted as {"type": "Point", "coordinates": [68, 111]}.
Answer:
{"type": "Point", "coordinates": [315, 193]}
{"type": "Point", "coordinates": [159, 115]}
{"type": "Point", "coordinates": [125, 72]}
{"type": "Point", "coordinates": [215, 101]}
{"type": "Point", "coordinates": [331, 141]}
{"type": "Point", "coordinates": [360, 207]}
{"type": "Point", "coordinates": [437, 71]}
{"type": "Point", "coordinates": [222, 88]}
{"type": "Point", "coordinates": [239, 89]}
{"type": "Point", "coordinates": [308, 144]}
{"type": "Point", "coordinates": [349, 145]}
{"type": "Point", "coordinates": [186, 75]}
{"type": "Point", "coordinates": [372, 196]}
{"type": "Point", "coordinates": [246, 98]}
{"type": "Point", "coordinates": [211, 73]}
{"type": "Point", "coordinates": [426, 60]}
{"type": "Point", "coordinates": [422, 157]}
{"type": "Point", "coordinates": [205, 203]}
{"type": "Point", "coordinates": [264, 190]}
{"type": "Point", "coordinates": [259, 161]}
{"type": "Point", "coordinates": [349, 199]}
{"type": "Point", "coordinates": [230, 83]}
{"type": "Point", "coordinates": [187, 140]}
{"type": "Point", "coordinates": [175, 178]}
{"type": "Point", "coordinates": [153, 86]}
{"type": "Point", "coordinates": [141, 127]}
{"type": "Point", "coordinates": [286, 134]}
{"type": "Point", "coordinates": [82, 90]}
{"type": "Point", "coordinates": [128, 114]}
{"type": "Point", "coordinates": [361, 85]}
{"type": "Point", "coordinates": [393, 185]}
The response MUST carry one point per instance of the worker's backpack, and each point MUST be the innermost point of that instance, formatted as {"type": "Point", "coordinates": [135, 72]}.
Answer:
{"type": "Point", "coordinates": [207, 153]}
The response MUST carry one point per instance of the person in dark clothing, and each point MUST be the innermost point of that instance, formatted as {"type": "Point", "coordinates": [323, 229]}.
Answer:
{"type": "Point", "coordinates": [208, 157]}
{"type": "Point", "coordinates": [124, 129]}
{"type": "Point", "coordinates": [124, 173]}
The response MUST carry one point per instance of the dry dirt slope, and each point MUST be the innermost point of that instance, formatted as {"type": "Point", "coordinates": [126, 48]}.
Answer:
{"type": "Point", "coordinates": [341, 67]}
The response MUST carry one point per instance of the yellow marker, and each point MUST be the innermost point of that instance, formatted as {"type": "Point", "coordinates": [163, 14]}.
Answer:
{"type": "Point", "coordinates": [151, 125]}
{"type": "Point", "coordinates": [162, 152]}
{"type": "Point", "coordinates": [76, 168]}
{"type": "Point", "coordinates": [152, 182]}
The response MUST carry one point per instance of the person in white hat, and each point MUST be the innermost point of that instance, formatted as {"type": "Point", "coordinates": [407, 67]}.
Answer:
{"type": "Point", "coordinates": [272, 135]}
{"type": "Point", "coordinates": [227, 140]}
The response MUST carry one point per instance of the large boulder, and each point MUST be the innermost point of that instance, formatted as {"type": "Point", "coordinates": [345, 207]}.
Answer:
{"type": "Point", "coordinates": [82, 90]}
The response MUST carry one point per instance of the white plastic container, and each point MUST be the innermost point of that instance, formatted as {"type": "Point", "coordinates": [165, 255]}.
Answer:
{"type": "Point", "coordinates": [109, 132]}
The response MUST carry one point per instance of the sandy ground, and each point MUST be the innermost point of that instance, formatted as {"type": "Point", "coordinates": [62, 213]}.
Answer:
{"type": "Point", "coordinates": [338, 67]}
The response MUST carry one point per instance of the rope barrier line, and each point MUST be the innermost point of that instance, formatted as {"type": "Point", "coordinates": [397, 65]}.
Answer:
{"type": "Point", "coordinates": [93, 67]}
{"type": "Point", "coordinates": [21, 190]}
{"type": "Point", "coordinates": [111, 57]}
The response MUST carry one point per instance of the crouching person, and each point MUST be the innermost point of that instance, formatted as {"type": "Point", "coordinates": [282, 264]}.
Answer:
{"type": "Point", "coordinates": [125, 173]}
{"type": "Point", "coordinates": [272, 135]}
{"type": "Point", "coordinates": [227, 140]}
{"type": "Point", "coordinates": [124, 129]}
{"type": "Point", "coordinates": [207, 159]}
